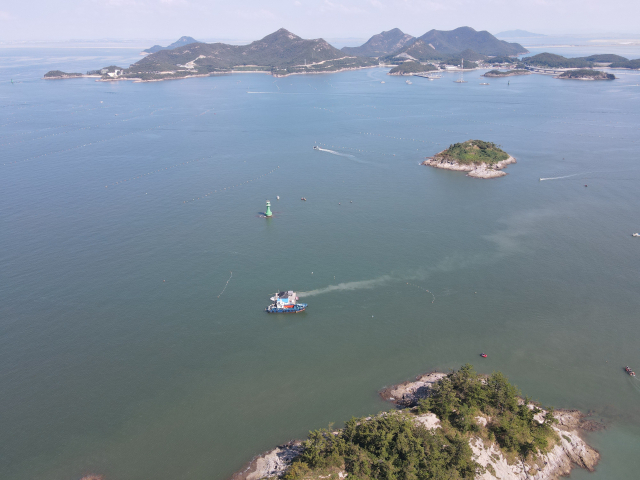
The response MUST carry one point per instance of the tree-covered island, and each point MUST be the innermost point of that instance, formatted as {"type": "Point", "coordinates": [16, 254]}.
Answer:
{"type": "Point", "coordinates": [460, 425]}
{"type": "Point", "coordinates": [506, 73]}
{"type": "Point", "coordinates": [586, 74]}
{"type": "Point", "coordinates": [479, 158]}
{"type": "Point", "coordinates": [411, 68]}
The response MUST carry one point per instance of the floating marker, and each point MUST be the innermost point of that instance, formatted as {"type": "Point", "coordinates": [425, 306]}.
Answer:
{"type": "Point", "coordinates": [268, 212]}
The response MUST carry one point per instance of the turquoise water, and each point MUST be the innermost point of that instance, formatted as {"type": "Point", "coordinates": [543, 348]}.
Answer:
{"type": "Point", "coordinates": [135, 266]}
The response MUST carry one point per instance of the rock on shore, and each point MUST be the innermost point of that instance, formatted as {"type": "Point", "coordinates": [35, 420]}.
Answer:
{"type": "Point", "coordinates": [477, 170]}
{"type": "Point", "coordinates": [270, 464]}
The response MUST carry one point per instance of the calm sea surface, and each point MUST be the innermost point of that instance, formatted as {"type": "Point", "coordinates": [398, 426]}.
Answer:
{"type": "Point", "coordinates": [135, 266]}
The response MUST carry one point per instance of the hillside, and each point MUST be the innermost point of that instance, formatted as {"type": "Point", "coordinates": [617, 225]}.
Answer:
{"type": "Point", "coordinates": [473, 151]}
{"type": "Point", "coordinates": [632, 64]}
{"type": "Point", "coordinates": [381, 44]}
{"type": "Point", "coordinates": [463, 38]}
{"type": "Point", "coordinates": [409, 68]}
{"type": "Point", "coordinates": [178, 43]}
{"type": "Point", "coordinates": [418, 50]}
{"type": "Point", "coordinates": [280, 53]}
{"type": "Point", "coordinates": [551, 60]}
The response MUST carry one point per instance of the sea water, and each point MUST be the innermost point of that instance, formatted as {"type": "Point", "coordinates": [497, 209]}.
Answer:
{"type": "Point", "coordinates": [135, 264]}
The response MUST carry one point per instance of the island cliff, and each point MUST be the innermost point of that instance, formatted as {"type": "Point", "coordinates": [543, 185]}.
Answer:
{"type": "Point", "coordinates": [479, 158]}
{"type": "Point", "coordinates": [457, 425]}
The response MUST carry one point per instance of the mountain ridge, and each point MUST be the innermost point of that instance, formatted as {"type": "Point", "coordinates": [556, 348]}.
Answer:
{"type": "Point", "coordinates": [381, 44]}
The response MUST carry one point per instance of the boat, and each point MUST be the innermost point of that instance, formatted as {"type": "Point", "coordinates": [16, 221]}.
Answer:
{"type": "Point", "coordinates": [483, 355]}
{"type": "Point", "coordinates": [484, 83]}
{"type": "Point", "coordinates": [315, 147]}
{"type": "Point", "coordinates": [635, 234]}
{"type": "Point", "coordinates": [383, 81]}
{"type": "Point", "coordinates": [285, 302]}
{"type": "Point", "coordinates": [303, 199]}
{"type": "Point", "coordinates": [629, 371]}
{"type": "Point", "coordinates": [408, 82]}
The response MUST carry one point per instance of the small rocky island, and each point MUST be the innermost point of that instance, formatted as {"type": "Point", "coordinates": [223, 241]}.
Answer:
{"type": "Point", "coordinates": [58, 74]}
{"type": "Point", "coordinates": [457, 425]}
{"type": "Point", "coordinates": [479, 158]}
{"type": "Point", "coordinates": [506, 73]}
{"type": "Point", "coordinates": [586, 74]}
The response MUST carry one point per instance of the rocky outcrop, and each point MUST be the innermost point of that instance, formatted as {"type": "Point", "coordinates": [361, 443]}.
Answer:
{"type": "Point", "coordinates": [477, 170]}
{"type": "Point", "coordinates": [270, 464]}
{"type": "Point", "coordinates": [570, 451]}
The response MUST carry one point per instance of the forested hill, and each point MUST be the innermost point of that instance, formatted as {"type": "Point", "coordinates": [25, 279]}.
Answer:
{"type": "Point", "coordinates": [463, 38]}
{"type": "Point", "coordinates": [279, 49]}
{"type": "Point", "coordinates": [440, 45]}
{"type": "Point", "coordinates": [382, 44]}
{"type": "Point", "coordinates": [551, 60]}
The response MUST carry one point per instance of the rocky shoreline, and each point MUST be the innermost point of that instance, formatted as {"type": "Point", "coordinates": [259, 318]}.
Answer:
{"type": "Point", "coordinates": [571, 450]}
{"type": "Point", "coordinates": [481, 170]}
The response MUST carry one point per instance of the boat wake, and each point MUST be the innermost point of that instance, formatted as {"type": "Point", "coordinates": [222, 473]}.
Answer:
{"type": "Point", "coordinates": [333, 152]}
{"type": "Point", "coordinates": [566, 176]}
{"type": "Point", "coordinates": [341, 287]}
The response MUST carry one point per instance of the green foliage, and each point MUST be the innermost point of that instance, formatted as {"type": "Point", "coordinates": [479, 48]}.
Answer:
{"type": "Point", "coordinates": [633, 64]}
{"type": "Point", "coordinates": [473, 151]}
{"type": "Point", "coordinates": [587, 73]}
{"type": "Point", "coordinates": [502, 59]}
{"type": "Point", "coordinates": [458, 398]}
{"type": "Point", "coordinates": [389, 446]}
{"type": "Point", "coordinates": [606, 58]}
{"type": "Point", "coordinates": [412, 67]}
{"type": "Point", "coordinates": [60, 74]}
{"type": "Point", "coordinates": [393, 446]}
{"type": "Point", "coordinates": [506, 73]}
{"type": "Point", "coordinates": [551, 60]}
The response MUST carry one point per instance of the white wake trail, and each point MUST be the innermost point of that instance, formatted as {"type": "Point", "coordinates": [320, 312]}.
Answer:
{"type": "Point", "coordinates": [341, 287]}
{"type": "Point", "coordinates": [566, 176]}
{"type": "Point", "coordinates": [336, 153]}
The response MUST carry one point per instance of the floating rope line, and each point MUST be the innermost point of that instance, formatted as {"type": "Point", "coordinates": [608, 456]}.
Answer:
{"type": "Point", "coordinates": [220, 190]}
{"type": "Point", "coordinates": [226, 284]}
{"type": "Point", "coordinates": [422, 288]}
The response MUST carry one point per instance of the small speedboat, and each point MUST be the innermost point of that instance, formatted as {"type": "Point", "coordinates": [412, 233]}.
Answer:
{"type": "Point", "coordinates": [629, 371]}
{"type": "Point", "coordinates": [304, 199]}
{"type": "Point", "coordinates": [635, 234]}
{"type": "Point", "coordinates": [315, 147]}
{"type": "Point", "coordinates": [483, 355]}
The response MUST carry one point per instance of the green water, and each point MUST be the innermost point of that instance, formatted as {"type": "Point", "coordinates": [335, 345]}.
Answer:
{"type": "Point", "coordinates": [129, 349]}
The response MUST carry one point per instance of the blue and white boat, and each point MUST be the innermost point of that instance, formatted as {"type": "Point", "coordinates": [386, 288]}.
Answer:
{"type": "Point", "coordinates": [285, 302]}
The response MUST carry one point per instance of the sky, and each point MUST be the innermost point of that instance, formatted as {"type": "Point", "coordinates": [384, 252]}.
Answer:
{"type": "Point", "coordinates": [206, 20]}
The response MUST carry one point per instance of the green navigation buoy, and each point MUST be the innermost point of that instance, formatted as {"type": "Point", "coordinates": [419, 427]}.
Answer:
{"type": "Point", "coordinates": [268, 212]}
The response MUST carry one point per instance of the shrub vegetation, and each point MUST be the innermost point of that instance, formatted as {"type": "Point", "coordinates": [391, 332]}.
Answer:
{"type": "Point", "coordinates": [473, 151]}
{"type": "Point", "coordinates": [392, 446]}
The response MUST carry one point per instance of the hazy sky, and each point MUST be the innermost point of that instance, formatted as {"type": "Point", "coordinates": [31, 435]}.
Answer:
{"type": "Point", "coordinates": [252, 19]}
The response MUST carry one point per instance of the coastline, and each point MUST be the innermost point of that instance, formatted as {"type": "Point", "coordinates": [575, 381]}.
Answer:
{"type": "Point", "coordinates": [571, 450]}
{"type": "Point", "coordinates": [482, 170]}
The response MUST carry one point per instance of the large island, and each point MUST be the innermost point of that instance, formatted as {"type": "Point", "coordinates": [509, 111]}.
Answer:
{"type": "Point", "coordinates": [479, 158]}
{"type": "Point", "coordinates": [458, 425]}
